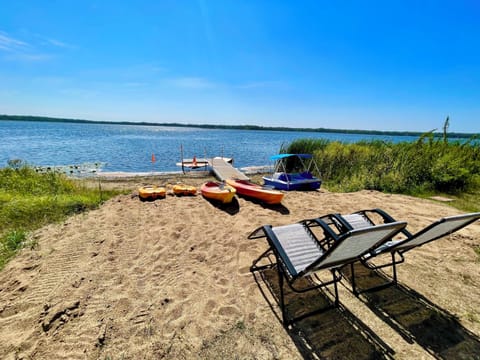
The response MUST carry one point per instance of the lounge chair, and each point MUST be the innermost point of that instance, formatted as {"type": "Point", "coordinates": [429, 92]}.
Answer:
{"type": "Point", "coordinates": [301, 249]}
{"type": "Point", "coordinates": [397, 247]}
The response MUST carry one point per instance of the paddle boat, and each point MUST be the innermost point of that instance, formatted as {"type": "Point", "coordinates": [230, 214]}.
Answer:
{"type": "Point", "coordinates": [218, 191]}
{"type": "Point", "coordinates": [293, 172]}
{"type": "Point", "coordinates": [151, 192]}
{"type": "Point", "coordinates": [265, 194]}
{"type": "Point", "coordinates": [182, 189]}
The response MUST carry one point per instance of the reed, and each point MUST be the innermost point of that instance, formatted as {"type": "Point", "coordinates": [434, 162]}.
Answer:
{"type": "Point", "coordinates": [29, 200]}
{"type": "Point", "coordinates": [430, 165]}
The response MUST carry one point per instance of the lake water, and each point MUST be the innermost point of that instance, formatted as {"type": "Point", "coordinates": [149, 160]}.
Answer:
{"type": "Point", "coordinates": [129, 148]}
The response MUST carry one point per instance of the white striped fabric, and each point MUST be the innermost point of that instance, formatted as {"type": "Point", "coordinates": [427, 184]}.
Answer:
{"type": "Point", "coordinates": [442, 229]}
{"type": "Point", "coordinates": [357, 243]}
{"type": "Point", "coordinates": [300, 248]}
{"type": "Point", "coordinates": [357, 221]}
{"type": "Point", "coordinates": [438, 229]}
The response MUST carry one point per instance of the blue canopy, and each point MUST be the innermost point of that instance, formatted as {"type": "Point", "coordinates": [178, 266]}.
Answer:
{"type": "Point", "coordinates": [283, 156]}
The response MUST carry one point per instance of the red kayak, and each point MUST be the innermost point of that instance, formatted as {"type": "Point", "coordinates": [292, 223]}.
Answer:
{"type": "Point", "coordinates": [262, 193]}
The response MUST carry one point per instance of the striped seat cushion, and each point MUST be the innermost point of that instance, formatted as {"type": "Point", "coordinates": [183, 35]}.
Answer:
{"type": "Point", "coordinates": [298, 245]}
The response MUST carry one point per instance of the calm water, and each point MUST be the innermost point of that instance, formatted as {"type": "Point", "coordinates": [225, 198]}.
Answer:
{"type": "Point", "coordinates": [130, 147]}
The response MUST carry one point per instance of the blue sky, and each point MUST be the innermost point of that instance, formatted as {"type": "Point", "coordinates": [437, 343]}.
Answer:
{"type": "Point", "coordinates": [382, 65]}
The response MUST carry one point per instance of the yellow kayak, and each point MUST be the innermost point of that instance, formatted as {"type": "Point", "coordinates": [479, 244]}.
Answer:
{"type": "Point", "coordinates": [181, 189]}
{"type": "Point", "coordinates": [151, 192]}
{"type": "Point", "coordinates": [218, 191]}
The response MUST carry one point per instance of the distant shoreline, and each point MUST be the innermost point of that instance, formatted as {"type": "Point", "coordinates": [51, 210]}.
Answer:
{"type": "Point", "coordinates": [233, 127]}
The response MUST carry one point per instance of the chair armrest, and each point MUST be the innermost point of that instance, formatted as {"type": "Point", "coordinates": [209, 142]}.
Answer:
{"type": "Point", "coordinates": [387, 218]}
{"type": "Point", "coordinates": [329, 233]}
{"type": "Point", "coordinates": [258, 233]}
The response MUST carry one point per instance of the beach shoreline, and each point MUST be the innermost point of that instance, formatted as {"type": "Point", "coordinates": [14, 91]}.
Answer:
{"type": "Point", "coordinates": [170, 279]}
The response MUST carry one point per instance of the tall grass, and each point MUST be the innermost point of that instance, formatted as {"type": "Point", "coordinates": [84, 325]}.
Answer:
{"type": "Point", "coordinates": [428, 165]}
{"type": "Point", "coordinates": [29, 200]}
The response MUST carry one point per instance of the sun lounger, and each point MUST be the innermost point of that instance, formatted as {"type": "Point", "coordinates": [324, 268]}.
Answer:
{"type": "Point", "coordinates": [398, 247]}
{"type": "Point", "coordinates": [301, 249]}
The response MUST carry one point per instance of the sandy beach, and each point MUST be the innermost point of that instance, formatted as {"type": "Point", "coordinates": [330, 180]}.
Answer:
{"type": "Point", "coordinates": [170, 279]}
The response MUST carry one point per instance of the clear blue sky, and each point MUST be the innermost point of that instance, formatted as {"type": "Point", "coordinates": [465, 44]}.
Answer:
{"type": "Point", "coordinates": [383, 65]}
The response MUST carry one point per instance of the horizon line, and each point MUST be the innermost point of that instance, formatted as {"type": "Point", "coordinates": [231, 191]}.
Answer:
{"type": "Point", "coordinates": [234, 127]}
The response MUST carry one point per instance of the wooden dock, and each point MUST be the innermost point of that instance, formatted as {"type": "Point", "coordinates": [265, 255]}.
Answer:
{"type": "Point", "coordinates": [224, 170]}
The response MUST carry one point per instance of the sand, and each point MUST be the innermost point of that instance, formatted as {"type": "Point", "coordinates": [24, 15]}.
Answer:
{"type": "Point", "coordinates": [170, 279]}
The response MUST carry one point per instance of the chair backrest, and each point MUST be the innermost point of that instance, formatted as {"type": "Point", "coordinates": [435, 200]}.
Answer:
{"type": "Point", "coordinates": [355, 243]}
{"type": "Point", "coordinates": [438, 229]}
{"type": "Point", "coordinates": [357, 221]}
{"type": "Point", "coordinates": [296, 246]}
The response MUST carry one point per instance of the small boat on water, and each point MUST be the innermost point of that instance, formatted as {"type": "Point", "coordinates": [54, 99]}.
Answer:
{"type": "Point", "coordinates": [151, 192]}
{"type": "Point", "coordinates": [293, 172]}
{"type": "Point", "coordinates": [218, 191]}
{"type": "Point", "coordinates": [265, 194]}
{"type": "Point", "coordinates": [182, 189]}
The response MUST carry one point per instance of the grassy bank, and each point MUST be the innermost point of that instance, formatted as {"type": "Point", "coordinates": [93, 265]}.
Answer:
{"type": "Point", "coordinates": [29, 200]}
{"type": "Point", "coordinates": [426, 167]}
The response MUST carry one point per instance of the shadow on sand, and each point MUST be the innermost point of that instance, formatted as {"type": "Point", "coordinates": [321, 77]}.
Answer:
{"type": "Point", "coordinates": [280, 208]}
{"type": "Point", "coordinates": [333, 333]}
{"type": "Point", "coordinates": [230, 208]}
{"type": "Point", "coordinates": [416, 318]}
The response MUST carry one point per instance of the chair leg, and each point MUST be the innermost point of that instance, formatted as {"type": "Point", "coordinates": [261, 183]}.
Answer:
{"type": "Point", "coordinates": [394, 269]}
{"type": "Point", "coordinates": [354, 285]}
{"type": "Point", "coordinates": [371, 267]}
{"type": "Point", "coordinates": [282, 296]}
{"type": "Point", "coordinates": [335, 287]}
{"type": "Point", "coordinates": [254, 266]}
{"type": "Point", "coordinates": [282, 278]}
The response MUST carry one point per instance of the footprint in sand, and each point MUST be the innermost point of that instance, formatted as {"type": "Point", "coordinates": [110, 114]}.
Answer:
{"type": "Point", "coordinates": [209, 307]}
{"type": "Point", "coordinates": [223, 284]}
{"type": "Point", "coordinates": [229, 311]}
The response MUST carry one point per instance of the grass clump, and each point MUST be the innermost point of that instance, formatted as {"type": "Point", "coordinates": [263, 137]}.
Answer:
{"type": "Point", "coordinates": [10, 243]}
{"type": "Point", "coordinates": [29, 200]}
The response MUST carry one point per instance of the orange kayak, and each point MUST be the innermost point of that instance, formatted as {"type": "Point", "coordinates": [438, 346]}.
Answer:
{"type": "Point", "coordinates": [151, 192]}
{"type": "Point", "coordinates": [262, 193]}
{"type": "Point", "coordinates": [218, 191]}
